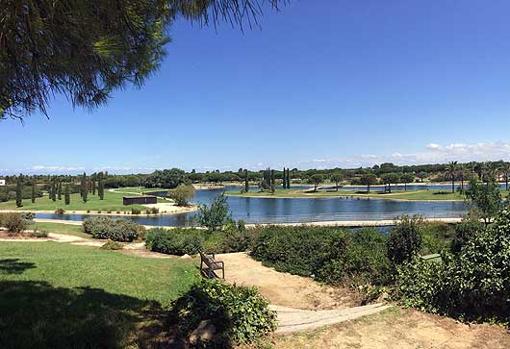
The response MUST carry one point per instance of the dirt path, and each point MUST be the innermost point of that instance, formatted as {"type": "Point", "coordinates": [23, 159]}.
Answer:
{"type": "Point", "coordinates": [284, 289]}
{"type": "Point", "coordinates": [295, 320]}
{"type": "Point", "coordinates": [398, 328]}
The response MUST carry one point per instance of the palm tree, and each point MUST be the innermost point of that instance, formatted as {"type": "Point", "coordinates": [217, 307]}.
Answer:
{"type": "Point", "coordinates": [452, 167]}
{"type": "Point", "coordinates": [462, 173]}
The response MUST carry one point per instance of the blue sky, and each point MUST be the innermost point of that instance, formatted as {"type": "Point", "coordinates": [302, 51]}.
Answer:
{"type": "Point", "coordinates": [321, 83]}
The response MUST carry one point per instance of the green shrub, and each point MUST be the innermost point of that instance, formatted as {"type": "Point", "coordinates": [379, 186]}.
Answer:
{"type": "Point", "coordinates": [238, 314]}
{"type": "Point", "coordinates": [112, 245]}
{"type": "Point", "coordinates": [15, 222]}
{"type": "Point", "coordinates": [298, 250]}
{"type": "Point", "coordinates": [365, 258]}
{"type": "Point", "coordinates": [469, 227]}
{"type": "Point", "coordinates": [39, 233]}
{"type": "Point", "coordinates": [60, 211]}
{"type": "Point", "coordinates": [404, 240]}
{"type": "Point", "coordinates": [328, 254]}
{"type": "Point", "coordinates": [182, 194]}
{"type": "Point", "coordinates": [114, 229]}
{"type": "Point", "coordinates": [436, 237]}
{"type": "Point", "coordinates": [135, 211]}
{"type": "Point", "coordinates": [216, 215]}
{"type": "Point", "coordinates": [179, 241]}
{"type": "Point", "coordinates": [472, 285]}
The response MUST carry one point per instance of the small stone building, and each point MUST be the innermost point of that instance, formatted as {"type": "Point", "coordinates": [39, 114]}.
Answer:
{"type": "Point", "coordinates": [139, 200]}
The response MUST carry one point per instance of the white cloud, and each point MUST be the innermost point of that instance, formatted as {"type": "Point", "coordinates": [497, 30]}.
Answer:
{"type": "Point", "coordinates": [432, 153]}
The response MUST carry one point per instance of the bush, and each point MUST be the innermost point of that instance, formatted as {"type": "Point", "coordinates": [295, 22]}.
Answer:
{"type": "Point", "coordinates": [404, 240]}
{"type": "Point", "coordinates": [135, 211]}
{"type": "Point", "coordinates": [179, 241]}
{"type": "Point", "coordinates": [182, 194]}
{"type": "Point", "coordinates": [216, 215]}
{"type": "Point", "coordinates": [298, 250]}
{"type": "Point", "coordinates": [468, 228]}
{"type": "Point", "coordinates": [117, 230]}
{"type": "Point", "coordinates": [60, 211]}
{"type": "Point", "coordinates": [39, 233]}
{"type": "Point", "coordinates": [15, 222]}
{"type": "Point", "coordinates": [235, 238]}
{"type": "Point", "coordinates": [472, 285]}
{"type": "Point", "coordinates": [436, 237]}
{"type": "Point", "coordinates": [238, 314]}
{"type": "Point", "coordinates": [112, 245]}
{"type": "Point", "coordinates": [328, 254]}
{"type": "Point", "coordinates": [365, 258]}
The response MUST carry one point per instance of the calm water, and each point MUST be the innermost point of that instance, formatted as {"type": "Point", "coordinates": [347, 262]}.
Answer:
{"type": "Point", "coordinates": [259, 210]}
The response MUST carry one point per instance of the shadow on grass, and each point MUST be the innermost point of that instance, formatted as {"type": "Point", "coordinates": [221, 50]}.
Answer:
{"type": "Point", "coordinates": [37, 315]}
{"type": "Point", "coordinates": [14, 266]}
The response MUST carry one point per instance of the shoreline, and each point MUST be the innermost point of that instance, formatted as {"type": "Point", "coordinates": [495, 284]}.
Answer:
{"type": "Point", "coordinates": [343, 224]}
{"type": "Point", "coordinates": [177, 210]}
{"type": "Point", "coordinates": [358, 197]}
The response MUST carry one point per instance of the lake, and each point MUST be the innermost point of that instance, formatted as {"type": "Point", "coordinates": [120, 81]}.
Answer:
{"type": "Point", "coordinates": [293, 210]}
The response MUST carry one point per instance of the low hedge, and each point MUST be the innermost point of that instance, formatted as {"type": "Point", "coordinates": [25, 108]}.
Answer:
{"type": "Point", "coordinates": [237, 314]}
{"type": "Point", "coordinates": [179, 241]}
{"type": "Point", "coordinates": [114, 229]}
{"type": "Point", "coordinates": [328, 254]}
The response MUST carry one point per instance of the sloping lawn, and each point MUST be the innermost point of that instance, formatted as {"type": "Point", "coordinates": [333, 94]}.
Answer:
{"type": "Point", "coordinates": [63, 296]}
{"type": "Point", "coordinates": [62, 228]}
{"type": "Point", "coordinates": [112, 202]}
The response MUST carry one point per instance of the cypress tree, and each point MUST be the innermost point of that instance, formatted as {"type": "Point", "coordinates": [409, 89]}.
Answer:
{"type": "Point", "coordinates": [284, 179]}
{"type": "Point", "coordinates": [288, 178]}
{"type": "Point", "coordinates": [93, 187]}
{"type": "Point", "coordinates": [54, 190]}
{"type": "Point", "coordinates": [19, 191]}
{"type": "Point", "coordinates": [67, 196]}
{"type": "Point", "coordinates": [246, 184]}
{"type": "Point", "coordinates": [59, 190]}
{"type": "Point", "coordinates": [84, 189]}
{"type": "Point", "coordinates": [272, 181]}
{"type": "Point", "coordinates": [33, 191]}
{"type": "Point", "coordinates": [100, 188]}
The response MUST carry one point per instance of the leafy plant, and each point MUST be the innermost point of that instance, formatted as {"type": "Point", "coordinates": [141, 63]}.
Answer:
{"type": "Point", "coordinates": [112, 245]}
{"type": "Point", "coordinates": [472, 285]}
{"type": "Point", "coordinates": [15, 222]}
{"type": "Point", "coordinates": [216, 215]}
{"type": "Point", "coordinates": [179, 241]}
{"type": "Point", "coordinates": [238, 314]}
{"type": "Point", "coordinates": [404, 240]}
{"type": "Point", "coordinates": [117, 230]}
{"type": "Point", "coordinates": [182, 194]}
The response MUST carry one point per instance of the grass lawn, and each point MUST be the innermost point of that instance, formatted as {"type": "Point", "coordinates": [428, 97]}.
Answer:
{"type": "Point", "coordinates": [55, 295]}
{"type": "Point", "coordinates": [416, 195]}
{"type": "Point", "coordinates": [112, 202]}
{"type": "Point", "coordinates": [61, 228]}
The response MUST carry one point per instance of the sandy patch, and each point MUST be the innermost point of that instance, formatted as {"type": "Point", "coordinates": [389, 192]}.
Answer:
{"type": "Point", "coordinates": [171, 208]}
{"type": "Point", "coordinates": [282, 288]}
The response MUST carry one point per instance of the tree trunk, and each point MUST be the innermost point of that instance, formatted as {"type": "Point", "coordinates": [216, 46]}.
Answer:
{"type": "Point", "coordinates": [368, 188]}
{"type": "Point", "coordinates": [336, 186]}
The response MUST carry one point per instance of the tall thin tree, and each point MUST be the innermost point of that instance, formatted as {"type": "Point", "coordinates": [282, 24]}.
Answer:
{"type": "Point", "coordinates": [19, 191]}
{"type": "Point", "coordinates": [452, 168]}
{"type": "Point", "coordinates": [84, 189]}
{"type": "Point", "coordinates": [67, 195]}
{"type": "Point", "coordinates": [33, 191]}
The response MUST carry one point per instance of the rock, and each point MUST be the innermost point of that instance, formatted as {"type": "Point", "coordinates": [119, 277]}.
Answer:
{"type": "Point", "coordinates": [186, 256]}
{"type": "Point", "coordinates": [203, 333]}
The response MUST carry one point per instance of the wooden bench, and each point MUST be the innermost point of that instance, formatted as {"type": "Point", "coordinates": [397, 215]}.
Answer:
{"type": "Point", "coordinates": [212, 265]}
